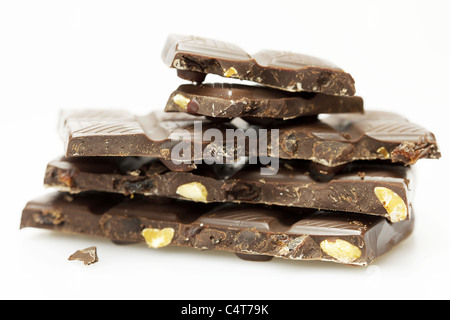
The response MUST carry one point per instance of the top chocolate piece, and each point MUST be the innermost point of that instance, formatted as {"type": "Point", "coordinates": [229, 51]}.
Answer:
{"type": "Point", "coordinates": [194, 57]}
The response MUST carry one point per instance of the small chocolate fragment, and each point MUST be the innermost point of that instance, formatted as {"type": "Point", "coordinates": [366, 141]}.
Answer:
{"type": "Point", "coordinates": [195, 56]}
{"type": "Point", "coordinates": [244, 229]}
{"type": "Point", "coordinates": [295, 184]}
{"type": "Point", "coordinates": [333, 141]}
{"type": "Point", "coordinates": [224, 100]}
{"type": "Point", "coordinates": [88, 256]}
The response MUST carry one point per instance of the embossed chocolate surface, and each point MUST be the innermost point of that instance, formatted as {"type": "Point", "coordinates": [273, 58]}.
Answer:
{"type": "Point", "coordinates": [333, 141]}
{"type": "Point", "coordinates": [270, 231]}
{"type": "Point", "coordinates": [222, 100]}
{"type": "Point", "coordinates": [119, 133]}
{"type": "Point", "coordinates": [194, 57]}
{"type": "Point", "coordinates": [340, 139]}
{"type": "Point", "coordinates": [369, 188]}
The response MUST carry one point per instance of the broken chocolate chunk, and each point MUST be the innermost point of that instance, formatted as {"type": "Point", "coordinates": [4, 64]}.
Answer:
{"type": "Point", "coordinates": [348, 238]}
{"type": "Point", "coordinates": [222, 100]}
{"type": "Point", "coordinates": [194, 57]}
{"type": "Point", "coordinates": [88, 256]}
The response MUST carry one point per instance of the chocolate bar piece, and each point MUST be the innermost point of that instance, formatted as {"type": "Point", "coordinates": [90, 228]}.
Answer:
{"type": "Point", "coordinates": [222, 100]}
{"type": "Point", "coordinates": [119, 133]}
{"type": "Point", "coordinates": [340, 139]}
{"type": "Point", "coordinates": [194, 57]}
{"type": "Point", "coordinates": [331, 142]}
{"type": "Point", "coordinates": [369, 188]}
{"type": "Point", "coordinates": [252, 230]}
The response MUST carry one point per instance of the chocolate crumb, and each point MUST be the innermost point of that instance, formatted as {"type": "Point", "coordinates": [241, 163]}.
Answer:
{"type": "Point", "coordinates": [88, 256]}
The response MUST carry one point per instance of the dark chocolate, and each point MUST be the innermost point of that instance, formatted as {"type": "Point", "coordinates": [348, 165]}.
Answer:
{"type": "Point", "coordinates": [119, 133]}
{"type": "Point", "coordinates": [88, 256]}
{"type": "Point", "coordinates": [331, 142]}
{"type": "Point", "coordinates": [369, 188]}
{"type": "Point", "coordinates": [271, 231]}
{"type": "Point", "coordinates": [194, 57]}
{"type": "Point", "coordinates": [232, 100]}
{"type": "Point", "coordinates": [340, 139]}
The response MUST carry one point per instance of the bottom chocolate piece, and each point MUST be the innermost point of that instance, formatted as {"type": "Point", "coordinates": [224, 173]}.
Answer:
{"type": "Point", "coordinates": [347, 238]}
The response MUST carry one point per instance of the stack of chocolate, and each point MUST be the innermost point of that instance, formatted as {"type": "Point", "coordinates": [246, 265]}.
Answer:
{"type": "Point", "coordinates": [282, 182]}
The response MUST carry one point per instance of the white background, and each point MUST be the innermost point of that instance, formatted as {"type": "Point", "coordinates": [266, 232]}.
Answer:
{"type": "Point", "coordinates": [106, 54]}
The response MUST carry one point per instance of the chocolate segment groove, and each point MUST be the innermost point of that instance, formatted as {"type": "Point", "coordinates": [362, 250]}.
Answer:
{"type": "Point", "coordinates": [333, 141]}
{"type": "Point", "coordinates": [194, 57]}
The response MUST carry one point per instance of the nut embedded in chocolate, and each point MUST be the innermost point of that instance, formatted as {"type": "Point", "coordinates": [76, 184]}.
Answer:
{"type": "Point", "coordinates": [156, 238]}
{"type": "Point", "coordinates": [341, 250]}
{"type": "Point", "coordinates": [333, 141]}
{"type": "Point", "coordinates": [297, 183]}
{"type": "Point", "coordinates": [194, 57]}
{"type": "Point", "coordinates": [258, 230]}
{"type": "Point", "coordinates": [226, 100]}
{"type": "Point", "coordinates": [393, 203]}
{"type": "Point", "coordinates": [194, 191]}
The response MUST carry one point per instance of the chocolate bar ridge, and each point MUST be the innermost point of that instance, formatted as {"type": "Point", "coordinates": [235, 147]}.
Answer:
{"type": "Point", "coordinates": [195, 56]}
{"type": "Point", "coordinates": [340, 139]}
{"type": "Point", "coordinates": [119, 133]}
{"type": "Point", "coordinates": [333, 141]}
{"type": "Point", "coordinates": [256, 230]}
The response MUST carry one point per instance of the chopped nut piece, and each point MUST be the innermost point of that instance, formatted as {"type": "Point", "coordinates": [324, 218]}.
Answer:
{"type": "Point", "coordinates": [165, 153]}
{"type": "Point", "coordinates": [66, 178]}
{"type": "Point", "coordinates": [88, 256]}
{"type": "Point", "coordinates": [384, 152]}
{"type": "Point", "coordinates": [68, 198]}
{"type": "Point", "coordinates": [193, 191]}
{"type": "Point", "coordinates": [393, 203]}
{"type": "Point", "coordinates": [230, 72]}
{"type": "Point", "coordinates": [341, 250]}
{"type": "Point", "coordinates": [156, 238]}
{"type": "Point", "coordinates": [181, 101]}
{"type": "Point", "coordinates": [134, 173]}
{"type": "Point", "coordinates": [49, 217]}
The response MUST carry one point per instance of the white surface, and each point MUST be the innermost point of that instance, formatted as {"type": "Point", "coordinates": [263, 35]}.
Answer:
{"type": "Point", "coordinates": [56, 54]}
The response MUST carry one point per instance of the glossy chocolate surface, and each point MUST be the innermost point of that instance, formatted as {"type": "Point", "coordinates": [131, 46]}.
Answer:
{"type": "Point", "coordinates": [332, 141]}
{"type": "Point", "coordinates": [222, 100]}
{"type": "Point", "coordinates": [295, 185]}
{"type": "Point", "coordinates": [244, 229]}
{"type": "Point", "coordinates": [194, 57]}
{"type": "Point", "coordinates": [119, 133]}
